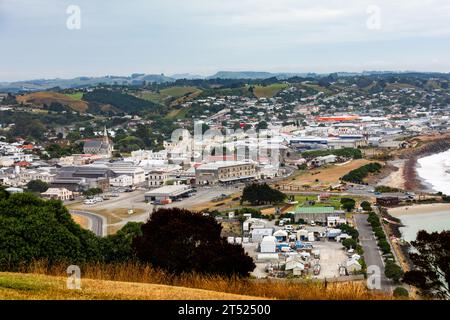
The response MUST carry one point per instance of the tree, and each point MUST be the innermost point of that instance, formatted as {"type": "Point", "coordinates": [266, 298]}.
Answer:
{"type": "Point", "coordinates": [365, 205]}
{"type": "Point", "coordinates": [431, 259]}
{"type": "Point", "coordinates": [401, 292]}
{"type": "Point", "coordinates": [118, 247]}
{"type": "Point", "coordinates": [32, 229]}
{"type": "Point", "coordinates": [3, 193]}
{"type": "Point", "coordinates": [37, 186]}
{"type": "Point", "coordinates": [384, 246]}
{"type": "Point", "coordinates": [348, 204]}
{"type": "Point", "coordinates": [262, 125]}
{"type": "Point", "coordinates": [349, 243]}
{"type": "Point", "coordinates": [180, 241]}
{"type": "Point", "coordinates": [345, 228]}
{"type": "Point", "coordinates": [393, 271]}
{"type": "Point", "coordinates": [258, 194]}
{"type": "Point", "coordinates": [92, 192]}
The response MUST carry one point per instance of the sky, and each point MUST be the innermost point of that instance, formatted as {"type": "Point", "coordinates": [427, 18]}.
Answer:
{"type": "Point", "coordinates": [49, 39]}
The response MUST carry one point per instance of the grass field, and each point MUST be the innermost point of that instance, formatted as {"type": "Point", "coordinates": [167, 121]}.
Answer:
{"type": "Point", "coordinates": [171, 92]}
{"type": "Point", "coordinates": [41, 98]}
{"type": "Point", "coordinates": [323, 177]}
{"type": "Point", "coordinates": [268, 91]}
{"type": "Point", "coordinates": [134, 281]}
{"type": "Point", "coordinates": [75, 96]}
{"type": "Point", "coordinates": [35, 286]}
{"type": "Point", "coordinates": [333, 201]}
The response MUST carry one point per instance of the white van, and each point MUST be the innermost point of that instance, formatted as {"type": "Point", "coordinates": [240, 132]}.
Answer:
{"type": "Point", "coordinates": [89, 201]}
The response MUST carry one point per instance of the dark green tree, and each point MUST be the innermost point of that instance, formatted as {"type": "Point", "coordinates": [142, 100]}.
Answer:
{"type": "Point", "coordinates": [179, 241]}
{"type": "Point", "coordinates": [258, 194]}
{"type": "Point", "coordinates": [37, 186]}
{"type": "Point", "coordinates": [431, 259]}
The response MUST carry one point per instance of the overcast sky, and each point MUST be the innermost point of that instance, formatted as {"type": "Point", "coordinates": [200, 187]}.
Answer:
{"type": "Point", "coordinates": [120, 37]}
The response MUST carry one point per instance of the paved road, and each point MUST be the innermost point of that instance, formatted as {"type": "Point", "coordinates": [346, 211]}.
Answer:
{"type": "Point", "coordinates": [372, 254]}
{"type": "Point", "coordinates": [97, 223]}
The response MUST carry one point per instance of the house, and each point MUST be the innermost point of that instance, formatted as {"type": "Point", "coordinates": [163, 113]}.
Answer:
{"type": "Point", "coordinates": [296, 267]}
{"type": "Point", "coordinates": [58, 193]}
{"type": "Point", "coordinates": [268, 244]}
{"type": "Point", "coordinates": [352, 266]}
{"type": "Point", "coordinates": [320, 161]}
{"type": "Point", "coordinates": [334, 221]}
{"type": "Point", "coordinates": [121, 181]}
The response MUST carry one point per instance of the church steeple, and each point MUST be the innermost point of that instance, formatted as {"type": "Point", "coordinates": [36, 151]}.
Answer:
{"type": "Point", "coordinates": [105, 136]}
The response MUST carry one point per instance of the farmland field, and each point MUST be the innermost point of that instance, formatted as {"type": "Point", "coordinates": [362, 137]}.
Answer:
{"type": "Point", "coordinates": [41, 98]}
{"type": "Point", "coordinates": [268, 91]}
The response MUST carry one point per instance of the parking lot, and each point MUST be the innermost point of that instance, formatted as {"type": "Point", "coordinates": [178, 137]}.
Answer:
{"type": "Point", "coordinates": [332, 254]}
{"type": "Point", "coordinates": [115, 209]}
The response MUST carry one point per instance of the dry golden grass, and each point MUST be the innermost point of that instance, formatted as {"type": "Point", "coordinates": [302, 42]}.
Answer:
{"type": "Point", "coordinates": [326, 176]}
{"type": "Point", "coordinates": [42, 287]}
{"type": "Point", "coordinates": [225, 204]}
{"type": "Point", "coordinates": [272, 289]}
{"type": "Point", "coordinates": [81, 220]}
{"type": "Point", "coordinates": [41, 98]}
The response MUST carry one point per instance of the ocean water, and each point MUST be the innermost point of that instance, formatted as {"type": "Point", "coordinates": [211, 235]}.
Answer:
{"type": "Point", "coordinates": [431, 222]}
{"type": "Point", "coordinates": [434, 170]}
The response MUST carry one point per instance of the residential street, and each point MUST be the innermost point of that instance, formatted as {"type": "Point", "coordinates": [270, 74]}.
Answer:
{"type": "Point", "coordinates": [372, 255]}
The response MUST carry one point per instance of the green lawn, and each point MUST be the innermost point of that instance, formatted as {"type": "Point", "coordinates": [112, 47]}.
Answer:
{"type": "Point", "coordinates": [178, 91]}
{"type": "Point", "coordinates": [333, 201]}
{"type": "Point", "coordinates": [171, 92]}
{"type": "Point", "coordinates": [75, 96]}
{"type": "Point", "coordinates": [268, 91]}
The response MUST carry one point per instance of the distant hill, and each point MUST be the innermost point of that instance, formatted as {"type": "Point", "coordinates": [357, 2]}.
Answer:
{"type": "Point", "coordinates": [241, 75]}
{"type": "Point", "coordinates": [187, 76]}
{"type": "Point", "coordinates": [80, 82]}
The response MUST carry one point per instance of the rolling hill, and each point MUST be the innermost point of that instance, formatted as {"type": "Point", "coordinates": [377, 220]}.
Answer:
{"type": "Point", "coordinates": [48, 97]}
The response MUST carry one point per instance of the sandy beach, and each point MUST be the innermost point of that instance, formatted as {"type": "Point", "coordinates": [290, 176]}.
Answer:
{"type": "Point", "coordinates": [419, 209]}
{"type": "Point", "coordinates": [396, 178]}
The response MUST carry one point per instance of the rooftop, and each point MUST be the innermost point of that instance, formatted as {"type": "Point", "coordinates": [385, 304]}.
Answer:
{"type": "Point", "coordinates": [314, 210]}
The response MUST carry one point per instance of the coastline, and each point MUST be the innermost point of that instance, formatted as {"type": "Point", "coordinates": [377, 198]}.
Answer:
{"type": "Point", "coordinates": [412, 180]}
{"type": "Point", "coordinates": [417, 209]}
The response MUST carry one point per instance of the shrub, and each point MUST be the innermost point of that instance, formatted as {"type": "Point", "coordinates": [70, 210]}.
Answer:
{"type": "Point", "coordinates": [401, 292]}
{"type": "Point", "coordinates": [365, 205]}
{"type": "Point", "coordinates": [393, 271]}
{"type": "Point", "coordinates": [349, 243]}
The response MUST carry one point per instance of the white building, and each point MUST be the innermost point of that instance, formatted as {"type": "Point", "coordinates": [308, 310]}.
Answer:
{"type": "Point", "coordinates": [168, 192]}
{"type": "Point", "coordinates": [58, 193]}
{"type": "Point", "coordinates": [268, 244]}
{"type": "Point", "coordinates": [121, 181]}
